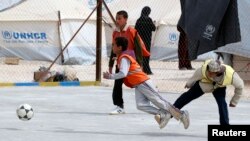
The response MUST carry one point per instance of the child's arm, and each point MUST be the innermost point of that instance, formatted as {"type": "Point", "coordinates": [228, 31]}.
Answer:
{"type": "Point", "coordinates": [123, 71]}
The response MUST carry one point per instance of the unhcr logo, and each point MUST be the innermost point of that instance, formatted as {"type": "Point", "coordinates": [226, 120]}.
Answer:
{"type": "Point", "coordinates": [172, 36]}
{"type": "Point", "coordinates": [6, 34]}
{"type": "Point", "coordinates": [209, 31]}
{"type": "Point", "coordinates": [24, 35]}
{"type": "Point", "coordinates": [92, 3]}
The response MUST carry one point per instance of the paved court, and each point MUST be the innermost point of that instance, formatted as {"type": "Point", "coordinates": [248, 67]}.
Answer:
{"type": "Point", "coordinates": [81, 114]}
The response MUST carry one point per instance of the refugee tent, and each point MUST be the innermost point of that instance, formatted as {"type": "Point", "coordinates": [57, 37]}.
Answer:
{"type": "Point", "coordinates": [241, 48]}
{"type": "Point", "coordinates": [39, 29]}
{"type": "Point", "coordinates": [165, 14]}
{"type": "Point", "coordinates": [31, 29]}
{"type": "Point", "coordinates": [6, 4]}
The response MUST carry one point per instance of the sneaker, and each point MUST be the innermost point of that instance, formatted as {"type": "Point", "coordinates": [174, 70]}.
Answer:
{"type": "Point", "coordinates": [162, 119]}
{"type": "Point", "coordinates": [118, 110]}
{"type": "Point", "coordinates": [158, 118]}
{"type": "Point", "coordinates": [185, 119]}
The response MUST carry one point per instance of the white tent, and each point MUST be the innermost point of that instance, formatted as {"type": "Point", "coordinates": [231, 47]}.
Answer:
{"type": "Point", "coordinates": [165, 13]}
{"type": "Point", "coordinates": [31, 30]}
{"type": "Point", "coordinates": [242, 48]}
{"type": "Point", "coordinates": [6, 4]}
{"type": "Point", "coordinates": [36, 17]}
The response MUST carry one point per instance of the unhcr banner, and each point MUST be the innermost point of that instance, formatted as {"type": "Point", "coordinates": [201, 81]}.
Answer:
{"type": "Point", "coordinates": [31, 41]}
{"type": "Point", "coordinates": [18, 34]}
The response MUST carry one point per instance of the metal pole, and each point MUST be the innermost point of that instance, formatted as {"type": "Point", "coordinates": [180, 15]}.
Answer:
{"type": "Point", "coordinates": [41, 77]}
{"type": "Point", "coordinates": [99, 40]}
{"type": "Point", "coordinates": [109, 12]}
{"type": "Point", "coordinates": [59, 35]}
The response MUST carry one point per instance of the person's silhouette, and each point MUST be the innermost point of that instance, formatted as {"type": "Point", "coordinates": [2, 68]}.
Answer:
{"type": "Point", "coordinates": [145, 26]}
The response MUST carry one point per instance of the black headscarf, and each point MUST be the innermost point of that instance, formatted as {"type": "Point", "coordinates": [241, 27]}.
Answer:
{"type": "Point", "coordinates": [145, 11]}
{"type": "Point", "coordinates": [144, 25]}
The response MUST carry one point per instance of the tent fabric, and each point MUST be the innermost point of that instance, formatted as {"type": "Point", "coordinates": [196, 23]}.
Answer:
{"type": "Point", "coordinates": [41, 16]}
{"type": "Point", "coordinates": [30, 48]}
{"type": "Point", "coordinates": [241, 48]}
{"type": "Point", "coordinates": [209, 25]}
{"type": "Point", "coordinates": [31, 31]}
{"type": "Point", "coordinates": [7, 4]}
{"type": "Point", "coordinates": [46, 10]}
{"type": "Point", "coordinates": [83, 45]}
{"type": "Point", "coordinates": [165, 13]}
{"type": "Point", "coordinates": [162, 11]}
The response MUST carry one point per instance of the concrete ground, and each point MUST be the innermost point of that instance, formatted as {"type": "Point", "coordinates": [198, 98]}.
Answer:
{"type": "Point", "coordinates": [81, 114]}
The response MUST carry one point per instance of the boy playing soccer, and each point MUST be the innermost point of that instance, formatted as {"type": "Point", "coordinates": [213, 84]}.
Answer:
{"type": "Point", "coordinates": [136, 44]}
{"type": "Point", "coordinates": [145, 91]}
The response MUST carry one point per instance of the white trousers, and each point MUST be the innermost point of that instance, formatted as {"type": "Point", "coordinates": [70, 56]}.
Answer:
{"type": "Point", "coordinates": [149, 100]}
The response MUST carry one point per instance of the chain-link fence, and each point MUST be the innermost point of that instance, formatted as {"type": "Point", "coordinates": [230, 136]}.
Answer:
{"type": "Point", "coordinates": [34, 32]}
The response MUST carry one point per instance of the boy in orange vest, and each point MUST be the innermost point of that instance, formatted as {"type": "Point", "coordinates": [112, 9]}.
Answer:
{"type": "Point", "coordinates": [145, 92]}
{"type": "Point", "coordinates": [136, 45]}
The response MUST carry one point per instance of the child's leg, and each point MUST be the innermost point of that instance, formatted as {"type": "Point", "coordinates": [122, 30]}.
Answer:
{"type": "Point", "coordinates": [149, 91]}
{"type": "Point", "coordinates": [143, 104]}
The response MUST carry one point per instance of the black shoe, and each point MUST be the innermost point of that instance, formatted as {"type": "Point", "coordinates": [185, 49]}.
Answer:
{"type": "Point", "coordinates": [150, 73]}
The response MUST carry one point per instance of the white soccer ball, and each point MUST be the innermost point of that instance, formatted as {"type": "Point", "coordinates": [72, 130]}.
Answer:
{"type": "Point", "coordinates": [25, 112]}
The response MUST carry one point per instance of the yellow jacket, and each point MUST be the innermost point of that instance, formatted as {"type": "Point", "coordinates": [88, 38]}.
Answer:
{"type": "Point", "coordinates": [228, 75]}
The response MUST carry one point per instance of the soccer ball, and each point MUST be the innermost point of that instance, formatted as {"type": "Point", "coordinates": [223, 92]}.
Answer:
{"type": "Point", "coordinates": [25, 112]}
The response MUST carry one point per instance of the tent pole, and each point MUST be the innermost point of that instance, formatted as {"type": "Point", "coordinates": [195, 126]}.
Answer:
{"type": "Point", "coordinates": [99, 40]}
{"type": "Point", "coordinates": [59, 35]}
{"type": "Point", "coordinates": [109, 12]}
{"type": "Point", "coordinates": [46, 72]}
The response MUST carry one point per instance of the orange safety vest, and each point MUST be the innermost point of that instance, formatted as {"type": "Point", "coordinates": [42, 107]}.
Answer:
{"type": "Point", "coordinates": [135, 74]}
{"type": "Point", "coordinates": [131, 34]}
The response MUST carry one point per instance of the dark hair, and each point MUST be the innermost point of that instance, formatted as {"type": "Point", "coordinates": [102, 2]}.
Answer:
{"type": "Point", "coordinates": [122, 41]}
{"type": "Point", "coordinates": [123, 13]}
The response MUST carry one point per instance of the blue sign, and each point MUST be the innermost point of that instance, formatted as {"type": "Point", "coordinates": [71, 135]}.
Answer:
{"type": "Point", "coordinates": [92, 3]}
{"type": "Point", "coordinates": [24, 37]}
{"type": "Point", "coordinates": [173, 37]}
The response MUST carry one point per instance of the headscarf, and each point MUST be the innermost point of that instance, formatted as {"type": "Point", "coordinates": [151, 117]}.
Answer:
{"type": "Point", "coordinates": [145, 11]}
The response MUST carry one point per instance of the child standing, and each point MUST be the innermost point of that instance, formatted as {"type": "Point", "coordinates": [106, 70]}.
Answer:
{"type": "Point", "coordinates": [145, 92]}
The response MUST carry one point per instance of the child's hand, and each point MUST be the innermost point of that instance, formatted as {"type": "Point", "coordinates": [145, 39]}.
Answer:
{"type": "Point", "coordinates": [106, 75]}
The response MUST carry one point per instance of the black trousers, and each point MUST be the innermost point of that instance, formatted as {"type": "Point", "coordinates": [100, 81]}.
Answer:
{"type": "Point", "coordinates": [195, 92]}
{"type": "Point", "coordinates": [117, 91]}
{"type": "Point", "coordinates": [183, 56]}
{"type": "Point", "coordinates": [146, 67]}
